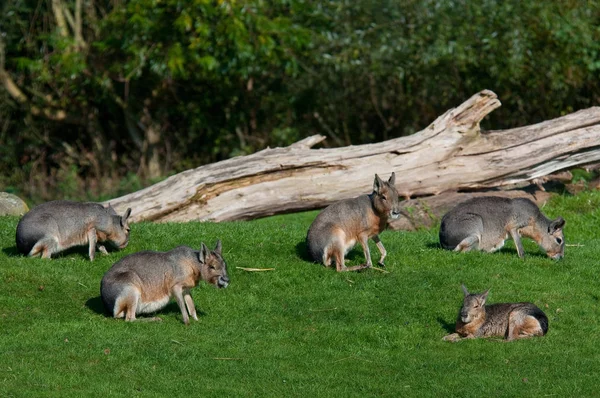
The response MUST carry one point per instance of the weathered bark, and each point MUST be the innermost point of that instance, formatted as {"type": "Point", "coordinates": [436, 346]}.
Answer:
{"type": "Point", "coordinates": [452, 154]}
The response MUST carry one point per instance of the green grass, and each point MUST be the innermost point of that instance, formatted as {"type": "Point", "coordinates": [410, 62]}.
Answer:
{"type": "Point", "coordinates": [304, 330]}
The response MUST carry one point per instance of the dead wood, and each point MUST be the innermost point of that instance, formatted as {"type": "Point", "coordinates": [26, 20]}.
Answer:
{"type": "Point", "coordinates": [450, 155]}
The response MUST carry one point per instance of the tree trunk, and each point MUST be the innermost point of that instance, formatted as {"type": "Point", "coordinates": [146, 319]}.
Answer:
{"type": "Point", "coordinates": [450, 155]}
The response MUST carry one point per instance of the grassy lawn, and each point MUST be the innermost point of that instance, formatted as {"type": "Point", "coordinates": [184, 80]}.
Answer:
{"type": "Point", "coordinates": [303, 330]}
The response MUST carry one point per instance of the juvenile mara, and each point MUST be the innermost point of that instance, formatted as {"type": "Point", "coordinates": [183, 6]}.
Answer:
{"type": "Point", "coordinates": [59, 225]}
{"type": "Point", "coordinates": [484, 223]}
{"type": "Point", "coordinates": [341, 225]}
{"type": "Point", "coordinates": [508, 320]}
{"type": "Point", "coordinates": [144, 282]}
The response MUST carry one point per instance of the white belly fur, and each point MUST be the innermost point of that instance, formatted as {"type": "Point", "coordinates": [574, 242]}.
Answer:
{"type": "Point", "coordinates": [152, 306]}
{"type": "Point", "coordinates": [349, 245]}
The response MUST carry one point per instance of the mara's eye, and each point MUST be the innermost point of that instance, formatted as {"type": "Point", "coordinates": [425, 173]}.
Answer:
{"type": "Point", "coordinates": [476, 306]}
{"type": "Point", "coordinates": [559, 240]}
{"type": "Point", "coordinates": [211, 267]}
{"type": "Point", "coordinates": [383, 197]}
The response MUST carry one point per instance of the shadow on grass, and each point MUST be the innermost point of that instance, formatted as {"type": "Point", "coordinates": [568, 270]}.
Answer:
{"type": "Point", "coordinates": [81, 251]}
{"type": "Point", "coordinates": [448, 327]}
{"type": "Point", "coordinates": [433, 245]}
{"type": "Point", "coordinates": [302, 252]}
{"type": "Point", "coordinates": [95, 304]}
{"type": "Point", "coordinates": [506, 250]}
{"type": "Point", "coordinates": [12, 251]}
{"type": "Point", "coordinates": [513, 251]}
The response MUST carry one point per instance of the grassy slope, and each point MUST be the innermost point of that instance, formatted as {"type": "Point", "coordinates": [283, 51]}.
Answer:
{"type": "Point", "coordinates": [303, 330]}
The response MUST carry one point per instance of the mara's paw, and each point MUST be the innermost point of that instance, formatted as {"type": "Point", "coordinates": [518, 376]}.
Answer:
{"type": "Point", "coordinates": [453, 338]}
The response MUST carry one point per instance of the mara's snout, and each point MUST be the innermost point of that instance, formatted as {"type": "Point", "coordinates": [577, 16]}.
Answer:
{"type": "Point", "coordinates": [394, 214]}
{"type": "Point", "coordinates": [555, 256]}
{"type": "Point", "coordinates": [222, 282]}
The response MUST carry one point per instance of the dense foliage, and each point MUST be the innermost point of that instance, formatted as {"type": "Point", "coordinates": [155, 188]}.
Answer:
{"type": "Point", "coordinates": [99, 97]}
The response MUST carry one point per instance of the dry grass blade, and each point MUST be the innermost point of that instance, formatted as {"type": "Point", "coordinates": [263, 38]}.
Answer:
{"type": "Point", "coordinates": [255, 269]}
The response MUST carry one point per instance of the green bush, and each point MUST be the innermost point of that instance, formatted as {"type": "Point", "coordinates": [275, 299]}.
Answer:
{"type": "Point", "coordinates": [155, 87]}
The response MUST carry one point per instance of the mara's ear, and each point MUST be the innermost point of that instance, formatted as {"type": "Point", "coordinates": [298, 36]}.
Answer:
{"type": "Point", "coordinates": [218, 247]}
{"type": "Point", "coordinates": [377, 184]}
{"type": "Point", "coordinates": [203, 253]}
{"type": "Point", "coordinates": [392, 180]}
{"type": "Point", "coordinates": [556, 225]}
{"type": "Point", "coordinates": [108, 206]}
{"type": "Point", "coordinates": [127, 214]}
{"type": "Point", "coordinates": [465, 291]}
{"type": "Point", "coordinates": [484, 296]}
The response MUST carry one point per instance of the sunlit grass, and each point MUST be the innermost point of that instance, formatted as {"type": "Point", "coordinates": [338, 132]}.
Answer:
{"type": "Point", "coordinates": [304, 330]}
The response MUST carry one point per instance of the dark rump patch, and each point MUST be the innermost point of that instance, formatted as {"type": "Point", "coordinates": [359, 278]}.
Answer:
{"type": "Point", "coordinates": [25, 242]}
{"type": "Point", "coordinates": [541, 317]}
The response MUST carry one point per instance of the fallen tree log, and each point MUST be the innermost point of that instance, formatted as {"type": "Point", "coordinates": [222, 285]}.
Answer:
{"type": "Point", "coordinates": [451, 154]}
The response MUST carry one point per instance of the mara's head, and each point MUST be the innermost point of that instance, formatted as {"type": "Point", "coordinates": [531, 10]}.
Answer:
{"type": "Point", "coordinates": [214, 268]}
{"type": "Point", "coordinates": [553, 239]}
{"type": "Point", "coordinates": [385, 198]}
{"type": "Point", "coordinates": [473, 305]}
{"type": "Point", "coordinates": [117, 233]}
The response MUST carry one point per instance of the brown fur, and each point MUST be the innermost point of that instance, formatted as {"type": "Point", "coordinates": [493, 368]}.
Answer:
{"type": "Point", "coordinates": [484, 223]}
{"type": "Point", "coordinates": [507, 320]}
{"type": "Point", "coordinates": [144, 282]}
{"type": "Point", "coordinates": [343, 224]}
{"type": "Point", "coordinates": [59, 225]}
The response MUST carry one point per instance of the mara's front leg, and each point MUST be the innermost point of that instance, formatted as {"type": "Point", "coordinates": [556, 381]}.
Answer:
{"type": "Point", "coordinates": [381, 250]}
{"type": "Point", "coordinates": [178, 293]}
{"type": "Point", "coordinates": [454, 337]}
{"type": "Point", "coordinates": [189, 303]}
{"type": "Point", "coordinates": [514, 233]}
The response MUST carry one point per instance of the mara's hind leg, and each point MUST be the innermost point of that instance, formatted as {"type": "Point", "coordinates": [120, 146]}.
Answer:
{"type": "Point", "coordinates": [339, 263]}
{"type": "Point", "coordinates": [521, 326]}
{"type": "Point", "coordinates": [328, 256]}
{"type": "Point", "coordinates": [130, 304]}
{"type": "Point", "coordinates": [529, 327]}
{"type": "Point", "coordinates": [471, 242]}
{"type": "Point", "coordinates": [338, 257]}
{"type": "Point", "coordinates": [45, 248]}
{"type": "Point", "coordinates": [336, 251]}
{"type": "Point", "coordinates": [364, 242]}
{"type": "Point", "coordinates": [127, 306]}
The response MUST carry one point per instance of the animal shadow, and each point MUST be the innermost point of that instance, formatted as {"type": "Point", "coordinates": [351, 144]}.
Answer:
{"type": "Point", "coordinates": [78, 251]}
{"type": "Point", "coordinates": [448, 327]}
{"type": "Point", "coordinates": [302, 252]}
{"type": "Point", "coordinates": [11, 251]}
{"type": "Point", "coordinates": [433, 245]}
{"type": "Point", "coordinates": [95, 304]}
